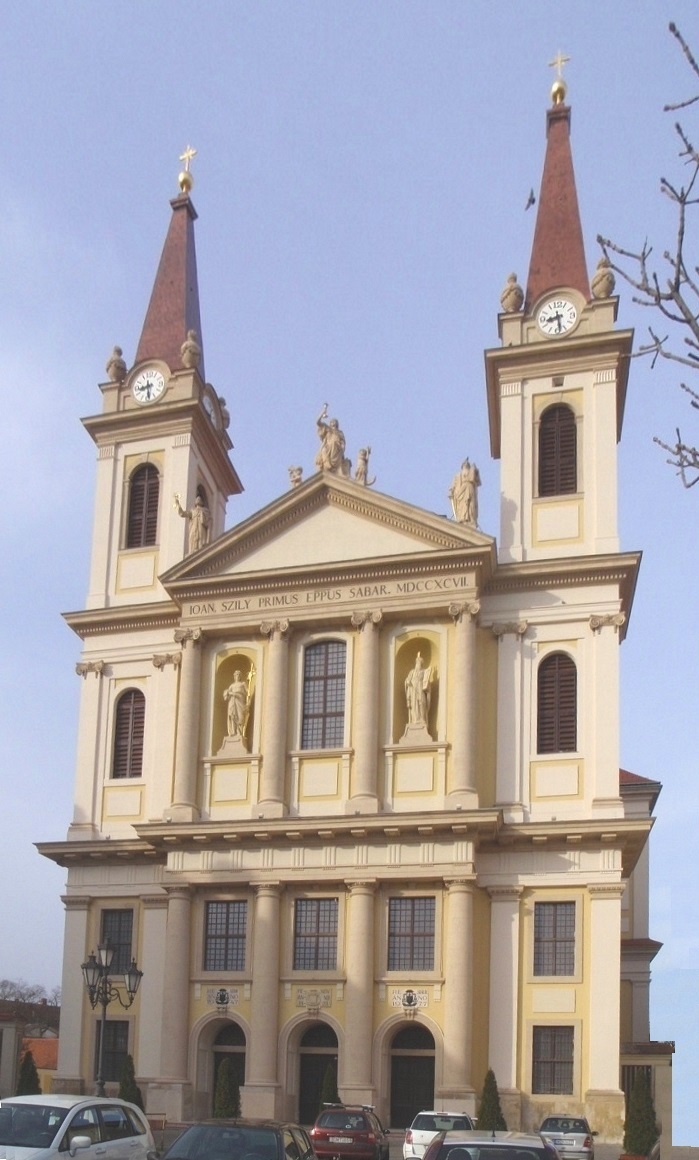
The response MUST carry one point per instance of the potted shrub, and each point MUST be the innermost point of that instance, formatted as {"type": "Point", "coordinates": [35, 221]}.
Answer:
{"type": "Point", "coordinates": [640, 1128]}
{"type": "Point", "coordinates": [490, 1115]}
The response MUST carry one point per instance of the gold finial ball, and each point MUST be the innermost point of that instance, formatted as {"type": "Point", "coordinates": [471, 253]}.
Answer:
{"type": "Point", "coordinates": [185, 181]}
{"type": "Point", "coordinates": [558, 91]}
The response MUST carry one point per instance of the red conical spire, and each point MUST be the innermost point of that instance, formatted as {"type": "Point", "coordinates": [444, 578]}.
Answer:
{"type": "Point", "coordinates": [174, 303]}
{"type": "Point", "coordinates": [558, 251]}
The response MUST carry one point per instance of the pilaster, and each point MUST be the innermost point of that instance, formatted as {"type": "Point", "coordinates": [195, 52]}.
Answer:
{"type": "Point", "coordinates": [462, 790]}
{"type": "Point", "coordinates": [184, 806]}
{"type": "Point", "coordinates": [261, 1091]}
{"type": "Point", "coordinates": [458, 993]}
{"type": "Point", "coordinates": [504, 979]}
{"type": "Point", "coordinates": [69, 1075]}
{"type": "Point", "coordinates": [274, 720]}
{"type": "Point", "coordinates": [509, 791]}
{"type": "Point", "coordinates": [355, 1079]}
{"type": "Point", "coordinates": [364, 796]}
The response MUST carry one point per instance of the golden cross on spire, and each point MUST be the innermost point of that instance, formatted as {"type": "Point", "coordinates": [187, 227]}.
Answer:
{"type": "Point", "coordinates": [189, 153]}
{"type": "Point", "coordinates": [559, 87]}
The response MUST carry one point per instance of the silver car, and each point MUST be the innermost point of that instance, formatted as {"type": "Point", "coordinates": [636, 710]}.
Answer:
{"type": "Point", "coordinates": [425, 1127]}
{"type": "Point", "coordinates": [56, 1127]}
{"type": "Point", "coordinates": [571, 1136]}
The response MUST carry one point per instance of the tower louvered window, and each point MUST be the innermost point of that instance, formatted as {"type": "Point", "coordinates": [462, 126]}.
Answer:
{"type": "Point", "coordinates": [558, 451]}
{"type": "Point", "coordinates": [129, 727]}
{"type": "Point", "coordinates": [142, 528]}
{"type": "Point", "coordinates": [557, 705]}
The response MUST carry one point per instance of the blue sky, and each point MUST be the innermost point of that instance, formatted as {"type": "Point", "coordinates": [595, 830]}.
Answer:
{"type": "Point", "coordinates": [361, 178]}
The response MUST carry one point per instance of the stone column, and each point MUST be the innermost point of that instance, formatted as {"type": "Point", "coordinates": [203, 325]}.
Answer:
{"type": "Point", "coordinates": [364, 796]}
{"type": "Point", "coordinates": [509, 790]}
{"type": "Point", "coordinates": [175, 1034]}
{"type": "Point", "coordinates": [261, 1090]}
{"type": "Point", "coordinates": [603, 1015]}
{"type": "Point", "coordinates": [74, 998]}
{"type": "Point", "coordinates": [463, 723]}
{"type": "Point", "coordinates": [274, 719]}
{"type": "Point", "coordinates": [504, 979]}
{"type": "Point", "coordinates": [458, 994]}
{"type": "Point", "coordinates": [184, 806]}
{"type": "Point", "coordinates": [151, 996]}
{"type": "Point", "coordinates": [355, 1079]}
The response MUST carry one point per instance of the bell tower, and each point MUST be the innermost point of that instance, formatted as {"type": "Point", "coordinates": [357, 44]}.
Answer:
{"type": "Point", "coordinates": [556, 386]}
{"type": "Point", "coordinates": [162, 434]}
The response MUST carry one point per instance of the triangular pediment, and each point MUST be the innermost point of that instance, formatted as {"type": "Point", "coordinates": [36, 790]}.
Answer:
{"type": "Point", "coordinates": [326, 521]}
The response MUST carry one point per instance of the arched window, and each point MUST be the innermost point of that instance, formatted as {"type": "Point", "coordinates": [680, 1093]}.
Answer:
{"type": "Point", "coordinates": [323, 717]}
{"type": "Point", "coordinates": [558, 451]}
{"type": "Point", "coordinates": [144, 490]}
{"type": "Point", "coordinates": [129, 724]}
{"type": "Point", "coordinates": [557, 705]}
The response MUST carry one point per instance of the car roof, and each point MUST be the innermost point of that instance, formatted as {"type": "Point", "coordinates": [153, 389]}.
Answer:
{"type": "Point", "coordinates": [239, 1122]}
{"type": "Point", "coordinates": [433, 1112]}
{"type": "Point", "coordinates": [61, 1101]}
{"type": "Point", "coordinates": [485, 1136]}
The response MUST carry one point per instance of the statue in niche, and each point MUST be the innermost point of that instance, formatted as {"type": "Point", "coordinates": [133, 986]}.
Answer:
{"type": "Point", "coordinates": [238, 698]}
{"type": "Point", "coordinates": [463, 494]}
{"type": "Point", "coordinates": [331, 455]}
{"type": "Point", "coordinates": [418, 696]}
{"type": "Point", "coordinates": [199, 518]}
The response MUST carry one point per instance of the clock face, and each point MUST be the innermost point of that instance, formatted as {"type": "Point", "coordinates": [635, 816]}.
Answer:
{"type": "Point", "coordinates": [210, 409]}
{"type": "Point", "coordinates": [557, 316]}
{"type": "Point", "coordinates": [149, 386]}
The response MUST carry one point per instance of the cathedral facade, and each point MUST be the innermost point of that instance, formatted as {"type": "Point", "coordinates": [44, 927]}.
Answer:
{"type": "Point", "coordinates": [348, 782]}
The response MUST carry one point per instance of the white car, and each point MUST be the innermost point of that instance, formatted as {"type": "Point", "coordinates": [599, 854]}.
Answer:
{"type": "Point", "coordinates": [425, 1126]}
{"type": "Point", "coordinates": [56, 1127]}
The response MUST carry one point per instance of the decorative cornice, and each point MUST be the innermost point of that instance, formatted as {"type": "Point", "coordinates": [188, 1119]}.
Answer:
{"type": "Point", "coordinates": [84, 667]}
{"type": "Point", "coordinates": [139, 617]}
{"type": "Point", "coordinates": [610, 890]}
{"type": "Point", "coordinates": [160, 660]}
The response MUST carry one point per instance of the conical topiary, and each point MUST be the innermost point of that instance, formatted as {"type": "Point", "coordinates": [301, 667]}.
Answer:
{"type": "Point", "coordinates": [128, 1088]}
{"type": "Point", "coordinates": [227, 1097]}
{"type": "Point", "coordinates": [490, 1116]}
{"type": "Point", "coordinates": [28, 1079]}
{"type": "Point", "coordinates": [328, 1092]}
{"type": "Point", "coordinates": [640, 1128]}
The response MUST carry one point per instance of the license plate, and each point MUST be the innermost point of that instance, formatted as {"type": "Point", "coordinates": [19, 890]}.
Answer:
{"type": "Point", "coordinates": [340, 1139]}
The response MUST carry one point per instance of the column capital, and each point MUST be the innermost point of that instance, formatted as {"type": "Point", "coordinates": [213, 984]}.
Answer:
{"type": "Point", "coordinates": [505, 893]}
{"type": "Point", "coordinates": [462, 885]}
{"type": "Point", "coordinates": [464, 612]}
{"type": "Point", "coordinates": [274, 629]}
{"type": "Point", "coordinates": [613, 620]}
{"type": "Point", "coordinates": [360, 619]}
{"type": "Point", "coordinates": [71, 902]}
{"type": "Point", "coordinates": [606, 889]}
{"type": "Point", "coordinates": [185, 636]}
{"type": "Point", "coordinates": [510, 628]}
{"type": "Point", "coordinates": [84, 667]}
{"type": "Point", "coordinates": [183, 892]}
{"type": "Point", "coordinates": [365, 886]}
{"type": "Point", "coordinates": [160, 660]}
{"type": "Point", "coordinates": [267, 889]}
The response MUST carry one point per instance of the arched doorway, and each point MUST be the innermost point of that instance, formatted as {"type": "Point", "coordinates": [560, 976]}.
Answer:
{"type": "Point", "coordinates": [412, 1074]}
{"type": "Point", "coordinates": [229, 1044]}
{"type": "Point", "coordinates": [317, 1052]}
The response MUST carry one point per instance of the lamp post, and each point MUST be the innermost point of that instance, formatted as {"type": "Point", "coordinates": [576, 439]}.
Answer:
{"type": "Point", "coordinates": [101, 990]}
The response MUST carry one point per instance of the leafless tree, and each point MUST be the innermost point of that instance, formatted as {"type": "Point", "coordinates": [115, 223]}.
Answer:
{"type": "Point", "coordinates": [30, 1003]}
{"type": "Point", "coordinates": [671, 288]}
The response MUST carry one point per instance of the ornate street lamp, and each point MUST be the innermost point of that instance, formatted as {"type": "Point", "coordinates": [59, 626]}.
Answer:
{"type": "Point", "coordinates": [102, 990]}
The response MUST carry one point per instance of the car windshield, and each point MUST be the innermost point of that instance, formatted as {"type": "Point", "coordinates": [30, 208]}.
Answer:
{"type": "Point", "coordinates": [29, 1125]}
{"type": "Point", "coordinates": [225, 1142]}
{"type": "Point", "coordinates": [441, 1123]}
{"type": "Point", "coordinates": [343, 1121]}
{"type": "Point", "coordinates": [557, 1125]}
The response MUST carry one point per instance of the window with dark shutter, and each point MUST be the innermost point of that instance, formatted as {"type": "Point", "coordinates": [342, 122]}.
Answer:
{"type": "Point", "coordinates": [557, 705]}
{"type": "Point", "coordinates": [554, 938]}
{"type": "Point", "coordinates": [323, 718]}
{"type": "Point", "coordinates": [117, 929]}
{"type": "Point", "coordinates": [558, 451]}
{"type": "Point", "coordinates": [129, 725]}
{"type": "Point", "coordinates": [144, 491]}
{"type": "Point", "coordinates": [552, 1060]}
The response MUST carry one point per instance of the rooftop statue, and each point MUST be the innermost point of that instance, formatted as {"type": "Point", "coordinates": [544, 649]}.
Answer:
{"type": "Point", "coordinates": [331, 455]}
{"type": "Point", "coordinates": [463, 494]}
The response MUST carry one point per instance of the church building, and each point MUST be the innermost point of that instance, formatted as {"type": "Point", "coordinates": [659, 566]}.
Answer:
{"type": "Point", "coordinates": [348, 785]}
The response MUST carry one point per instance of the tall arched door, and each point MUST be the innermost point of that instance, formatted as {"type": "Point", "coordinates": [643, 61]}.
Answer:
{"type": "Point", "coordinates": [412, 1074]}
{"type": "Point", "coordinates": [317, 1054]}
{"type": "Point", "coordinates": [229, 1044]}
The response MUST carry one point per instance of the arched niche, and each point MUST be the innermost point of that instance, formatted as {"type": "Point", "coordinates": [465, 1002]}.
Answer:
{"type": "Point", "coordinates": [239, 660]}
{"type": "Point", "coordinates": [407, 649]}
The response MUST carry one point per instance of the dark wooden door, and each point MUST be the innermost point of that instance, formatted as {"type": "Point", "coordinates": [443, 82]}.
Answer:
{"type": "Point", "coordinates": [312, 1072]}
{"type": "Point", "coordinates": [412, 1087]}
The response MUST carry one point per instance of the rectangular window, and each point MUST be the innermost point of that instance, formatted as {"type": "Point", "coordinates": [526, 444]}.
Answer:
{"type": "Point", "coordinates": [117, 928]}
{"type": "Point", "coordinates": [116, 1046]}
{"type": "Point", "coordinates": [315, 934]}
{"type": "Point", "coordinates": [411, 934]}
{"type": "Point", "coordinates": [323, 719]}
{"type": "Point", "coordinates": [554, 938]}
{"type": "Point", "coordinates": [552, 1063]}
{"type": "Point", "coordinates": [224, 936]}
